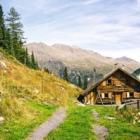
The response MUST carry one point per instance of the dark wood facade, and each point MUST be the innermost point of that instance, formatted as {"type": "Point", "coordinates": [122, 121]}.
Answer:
{"type": "Point", "coordinates": [115, 88]}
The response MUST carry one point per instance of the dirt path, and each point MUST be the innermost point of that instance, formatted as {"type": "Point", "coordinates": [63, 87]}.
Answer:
{"type": "Point", "coordinates": [100, 131]}
{"type": "Point", "coordinates": [44, 129]}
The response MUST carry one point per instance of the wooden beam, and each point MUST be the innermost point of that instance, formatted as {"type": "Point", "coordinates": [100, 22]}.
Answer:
{"type": "Point", "coordinates": [90, 98]}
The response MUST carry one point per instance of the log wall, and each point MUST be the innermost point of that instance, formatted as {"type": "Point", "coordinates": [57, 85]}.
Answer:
{"type": "Point", "coordinates": [117, 86]}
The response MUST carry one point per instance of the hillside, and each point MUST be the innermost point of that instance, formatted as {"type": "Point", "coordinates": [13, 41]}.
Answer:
{"type": "Point", "coordinates": [23, 77]}
{"type": "Point", "coordinates": [27, 97]}
{"type": "Point", "coordinates": [76, 58]}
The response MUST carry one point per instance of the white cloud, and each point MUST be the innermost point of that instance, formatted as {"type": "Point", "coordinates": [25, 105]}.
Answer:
{"type": "Point", "coordinates": [138, 2]}
{"type": "Point", "coordinates": [29, 5]}
{"type": "Point", "coordinates": [131, 53]}
{"type": "Point", "coordinates": [87, 2]}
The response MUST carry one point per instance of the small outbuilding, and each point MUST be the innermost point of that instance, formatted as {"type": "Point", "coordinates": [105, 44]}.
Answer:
{"type": "Point", "coordinates": [116, 87]}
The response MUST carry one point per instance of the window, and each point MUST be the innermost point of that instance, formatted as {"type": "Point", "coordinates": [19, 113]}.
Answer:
{"type": "Point", "coordinates": [109, 82]}
{"type": "Point", "coordinates": [131, 94]}
{"type": "Point", "coordinates": [128, 95]}
{"type": "Point", "coordinates": [103, 95]}
{"type": "Point", "coordinates": [106, 95]}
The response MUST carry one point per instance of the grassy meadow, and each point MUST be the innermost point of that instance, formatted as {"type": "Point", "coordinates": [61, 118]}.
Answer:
{"type": "Point", "coordinates": [78, 125]}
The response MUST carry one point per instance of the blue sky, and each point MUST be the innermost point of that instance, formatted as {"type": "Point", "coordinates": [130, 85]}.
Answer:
{"type": "Point", "coordinates": [110, 27]}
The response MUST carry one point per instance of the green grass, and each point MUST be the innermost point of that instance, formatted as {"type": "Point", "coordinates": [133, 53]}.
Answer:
{"type": "Point", "coordinates": [77, 126]}
{"type": "Point", "coordinates": [120, 128]}
{"type": "Point", "coordinates": [19, 128]}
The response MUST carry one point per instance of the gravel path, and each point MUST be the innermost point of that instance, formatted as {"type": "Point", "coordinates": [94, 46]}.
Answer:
{"type": "Point", "coordinates": [44, 129]}
{"type": "Point", "coordinates": [100, 131]}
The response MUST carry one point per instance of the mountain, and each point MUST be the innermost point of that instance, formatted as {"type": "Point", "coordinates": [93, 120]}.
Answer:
{"type": "Point", "coordinates": [75, 57]}
{"type": "Point", "coordinates": [78, 61]}
{"type": "Point", "coordinates": [71, 57]}
{"type": "Point", "coordinates": [128, 62]}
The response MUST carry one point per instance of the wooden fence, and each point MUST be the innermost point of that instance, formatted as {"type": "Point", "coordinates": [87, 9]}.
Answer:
{"type": "Point", "coordinates": [133, 102]}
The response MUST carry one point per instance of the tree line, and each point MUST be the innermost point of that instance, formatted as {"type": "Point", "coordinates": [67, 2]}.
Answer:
{"type": "Point", "coordinates": [12, 39]}
{"type": "Point", "coordinates": [80, 81]}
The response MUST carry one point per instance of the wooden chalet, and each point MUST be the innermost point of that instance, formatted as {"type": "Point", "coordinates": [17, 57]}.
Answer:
{"type": "Point", "coordinates": [115, 88]}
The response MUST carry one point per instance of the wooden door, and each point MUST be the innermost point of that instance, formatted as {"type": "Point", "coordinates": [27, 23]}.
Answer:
{"type": "Point", "coordinates": [118, 98]}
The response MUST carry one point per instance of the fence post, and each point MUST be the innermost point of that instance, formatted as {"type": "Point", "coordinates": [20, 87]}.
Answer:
{"type": "Point", "coordinates": [138, 104]}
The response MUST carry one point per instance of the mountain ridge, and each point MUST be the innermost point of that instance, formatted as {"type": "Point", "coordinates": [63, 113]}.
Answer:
{"type": "Point", "coordinates": [76, 57]}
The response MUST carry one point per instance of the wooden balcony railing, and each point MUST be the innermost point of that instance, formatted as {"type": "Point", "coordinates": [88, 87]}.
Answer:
{"type": "Point", "coordinates": [115, 89]}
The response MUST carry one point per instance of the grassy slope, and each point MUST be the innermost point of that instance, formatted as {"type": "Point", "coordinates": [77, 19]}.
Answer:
{"type": "Point", "coordinates": [23, 102]}
{"type": "Point", "coordinates": [54, 89]}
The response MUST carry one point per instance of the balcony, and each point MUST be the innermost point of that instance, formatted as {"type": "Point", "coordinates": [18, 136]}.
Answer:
{"type": "Point", "coordinates": [113, 88]}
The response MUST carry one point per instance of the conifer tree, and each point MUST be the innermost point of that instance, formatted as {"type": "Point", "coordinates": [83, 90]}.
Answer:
{"type": "Point", "coordinates": [32, 58]}
{"type": "Point", "coordinates": [46, 70]}
{"type": "Point", "coordinates": [65, 75]}
{"type": "Point", "coordinates": [2, 29]}
{"type": "Point", "coordinates": [11, 38]}
{"type": "Point", "coordinates": [26, 58]}
{"type": "Point", "coordinates": [15, 28]}
{"type": "Point", "coordinates": [14, 24]}
{"type": "Point", "coordinates": [34, 64]}
{"type": "Point", "coordinates": [79, 81]}
{"type": "Point", "coordinates": [85, 82]}
{"type": "Point", "coordinates": [8, 42]}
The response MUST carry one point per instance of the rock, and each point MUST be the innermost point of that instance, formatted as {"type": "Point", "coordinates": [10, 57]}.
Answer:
{"type": "Point", "coordinates": [95, 115]}
{"type": "Point", "coordinates": [36, 91]}
{"type": "Point", "coordinates": [100, 131]}
{"type": "Point", "coordinates": [134, 122]}
{"type": "Point", "coordinates": [80, 104]}
{"type": "Point", "coordinates": [3, 65]}
{"type": "Point", "coordinates": [110, 118]}
{"type": "Point", "coordinates": [1, 119]}
{"type": "Point", "coordinates": [62, 88]}
{"type": "Point", "coordinates": [46, 103]}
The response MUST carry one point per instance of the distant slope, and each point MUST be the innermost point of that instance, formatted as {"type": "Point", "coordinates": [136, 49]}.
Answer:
{"type": "Point", "coordinates": [76, 58]}
{"type": "Point", "coordinates": [137, 73]}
